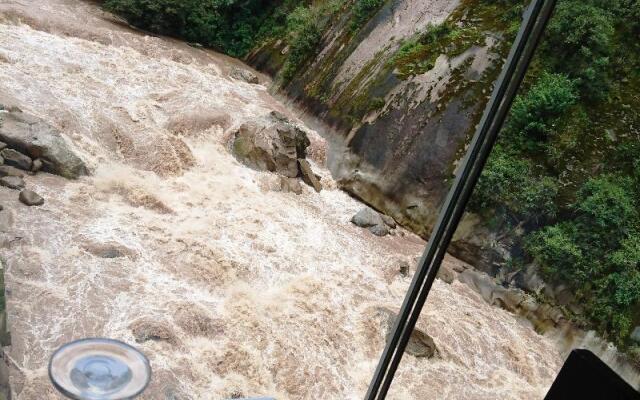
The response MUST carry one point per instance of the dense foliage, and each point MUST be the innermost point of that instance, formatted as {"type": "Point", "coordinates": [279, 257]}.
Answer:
{"type": "Point", "coordinates": [567, 165]}
{"type": "Point", "coordinates": [229, 25]}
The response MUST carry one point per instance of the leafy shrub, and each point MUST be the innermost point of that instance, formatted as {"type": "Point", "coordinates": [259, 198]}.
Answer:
{"type": "Point", "coordinates": [509, 182]}
{"type": "Point", "coordinates": [306, 35]}
{"type": "Point", "coordinates": [229, 25]}
{"type": "Point", "coordinates": [597, 252]}
{"type": "Point", "coordinates": [555, 248]}
{"type": "Point", "coordinates": [605, 206]}
{"type": "Point", "coordinates": [534, 114]}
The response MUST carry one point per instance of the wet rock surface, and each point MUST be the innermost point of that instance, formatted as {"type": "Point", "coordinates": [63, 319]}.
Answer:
{"type": "Point", "coordinates": [378, 224]}
{"type": "Point", "coordinates": [29, 135]}
{"type": "Point", "coordinates": [308, 176]}
{"type": "Point", "coordinates": [12, 182]}
{"type": "Point", "coordinates": [7, 170]}
{"type": "Point", "coordinates": [30, 198]}
{"type": "Point", "coordinates": [244, 75]}
{"type": "Point", "coordinates": [271, 144]}
{"type": "Point", "coordinates": [366, 218]}
{"type": "Point", "coordinates": [16, 159]}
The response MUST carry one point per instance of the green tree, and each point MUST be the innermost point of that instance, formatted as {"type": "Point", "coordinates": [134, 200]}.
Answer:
{"type": "Point", "coordinates": [579, 42]}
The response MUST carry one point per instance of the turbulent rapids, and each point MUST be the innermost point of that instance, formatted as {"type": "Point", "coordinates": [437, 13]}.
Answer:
{"type": "Point", "coordinates": [229, 286]}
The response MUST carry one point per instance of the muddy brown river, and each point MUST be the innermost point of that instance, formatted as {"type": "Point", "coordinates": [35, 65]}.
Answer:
{"type": "Point", "coordinates": [248, 291]}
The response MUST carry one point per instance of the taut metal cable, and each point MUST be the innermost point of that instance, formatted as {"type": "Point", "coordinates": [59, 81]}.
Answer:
{"type": "Point", "coordinates": [534, 22]}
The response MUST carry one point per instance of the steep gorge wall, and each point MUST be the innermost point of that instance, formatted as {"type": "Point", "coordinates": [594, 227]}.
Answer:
{"type": "Point", "coordinates": [399, 134]}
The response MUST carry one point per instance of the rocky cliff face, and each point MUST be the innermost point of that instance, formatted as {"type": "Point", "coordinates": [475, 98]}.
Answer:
{"type": "Point", "coordinates": [403, 108]}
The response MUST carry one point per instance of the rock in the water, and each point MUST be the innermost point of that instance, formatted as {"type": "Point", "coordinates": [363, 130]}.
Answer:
{"type": "Point", "coordinates": [30, 135]}
{"type": "Point", "coordinates": [290, 185]}
{"type": "Point", "coordinates": [390, 222]}
{"type": "Point", "coordinates": [12, 182]}
{"type": "Point", "coordinates": [379, 230]}
{"type": "Point", "coordinates": [37, 165]}
{"type": "Point", "coordinates": [148, 328]}
{"type": "Point", "coordinates": [420, 344]}
{"type": "Point", "coordinates": [635, 335]}
{"type": "Point", "coordinates": [273, 145]}
{"type": "Point", "coordinates": [106, 249]}
{"type": "Point", "coordinates": [308, 176]}
{"type": "Point", "coordinates": [446, 275]}
{"type": "Point", "coordinates": [16, 159]}
{"type": "Point", "coordinates": [31, 198]}
{"type": "Point", "coordinates": [366, 218]}
{"type": "Point", "coordinates": [6, 170]}
{"type": "Point", "coordinates": [404, 268]}
{"type": "Point", "coordinates": [244, 75]}
{"type": "Point", "coordinates": [3, 145]}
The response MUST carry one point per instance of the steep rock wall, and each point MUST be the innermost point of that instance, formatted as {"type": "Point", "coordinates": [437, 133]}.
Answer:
{"type": "Point", "coordinates": [399, 135]}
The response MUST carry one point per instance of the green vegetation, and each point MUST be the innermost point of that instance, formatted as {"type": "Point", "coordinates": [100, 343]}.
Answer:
{"type": "Point", "coordinates": [305, 35]}
{"type": "Point", "coordinates": [567, 166]}
{"type": "Point", "coordinates": [418, 55]}
{"type": "Point", "coordinates": [228, 25]}
{"type": "Point", "coordinates": [363, 10]}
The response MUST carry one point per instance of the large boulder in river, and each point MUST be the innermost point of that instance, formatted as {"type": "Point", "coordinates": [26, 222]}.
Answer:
{"type": "Point", "coordinates": [34, 137]}
{"type": "Point", "coordinates": [273, 144]}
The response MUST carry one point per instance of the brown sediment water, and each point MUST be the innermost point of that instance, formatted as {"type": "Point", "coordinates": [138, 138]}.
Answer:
{"type": "Point", "coordinates": [242, 289]}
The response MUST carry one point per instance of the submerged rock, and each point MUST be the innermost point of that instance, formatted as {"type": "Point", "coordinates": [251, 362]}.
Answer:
{"type": "Point", "coordinates": [147, 328]}
{"type": "Point", "coordinates": [420, 343]}
{"type": "Point", "coordinates": [446, 274]}
{"type": "Point", "coordinates": [12, 182]}
{"type": "Point", "coordinates": [290, 185]}
{"type": "Point", "coordinates": [379, 230]}
{"type": "Point", "coordinates": [245, 75]}
{"type": "Point", "coordinates": [274, 145]}
{"type": "Point", "coordinates": [6, 170]}
{"type": "Point", "coordinates": [16, 159]}
{"type": "Point", "coordinates": [34, 137]}
{"type": "Point", "coordinates": [30, 198]}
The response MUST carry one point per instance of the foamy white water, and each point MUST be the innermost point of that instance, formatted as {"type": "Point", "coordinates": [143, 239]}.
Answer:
{"type": "Point", "coordinates": [256, 292]}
